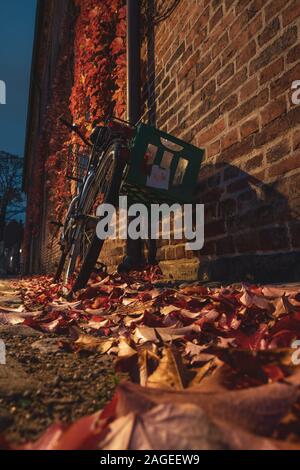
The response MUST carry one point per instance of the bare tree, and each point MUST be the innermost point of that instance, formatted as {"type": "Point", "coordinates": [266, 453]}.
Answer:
{"type": "Point", "coordinates": [11, 196]}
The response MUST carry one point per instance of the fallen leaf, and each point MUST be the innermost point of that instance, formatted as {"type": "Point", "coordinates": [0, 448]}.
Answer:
{"type": "Point", "coordinates": [170, 372]}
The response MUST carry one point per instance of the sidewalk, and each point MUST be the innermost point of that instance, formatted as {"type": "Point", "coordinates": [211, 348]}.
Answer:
{"type": "Point", "coordinates": [42, 383]}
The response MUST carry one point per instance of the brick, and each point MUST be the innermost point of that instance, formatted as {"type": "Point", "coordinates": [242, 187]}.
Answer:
{"type": "Point", "coordinates": [211, 133]}
{"type": "Point", "coordinates": [189, 63]}
{"type": "Point", "coordinates": [293, 54]}
{"type": "Point", "coordinates": [211, 211]}
{"type": "Point", "coordinates": [216, 18]}
{"type": "Point", "coordinates": [261, 216]}
{"type": "Point", "coordinates": [228, 4]}
{"type": "Point", "coordinates": [274, 8]}
{"type": "Point", "coordinates": [249, 89]}
{"type": "Point", "coordinates": [204, 18]}
{"type": "Point", "coordinates": [248, 107]}
{"type": "Point", "coordinates": [292, 162]}
{"type": "Point", "coordinates": [179, 51]}
{"type": "Point", "coordinates": [241, 5]}
{"type": "Point", "coordinates": [216, 3]}
{"type": "Point", "coordinates": [254, 163]}
{"type": "Point", "coordinates": [227, 207]}
{"type": "Point", "coordinates": [226, 74]}
{"type": "Point", "coordinates": [290, 188]}
{"type": "Point", "coordinates": [218, 31]}
{"type": "Point", "coordinates": [272, 70]}
{"type": "Point", "coordinates": [239, 185]}
{"type": "Point", "coordinates": [213, 149]}
{"type": "Point", "coordinates": [255, 7]}
{"type": "Point", "coordinates": [167, 92]}
{"type": "Point", "coordinates": [207, 121]}
{"type": "Point", "coordinates": [272, 239]}
{"type": "Point", "coordinates": [231, 172]}
{"type": "Point", "coordinates": [225, 246]}
{"type": "Point", "coordinates": [213, 229]}
{"type": "Point", "coordinates": [277, 127]}
{"type": "Point", "coordinates": [209, 248]}
{"type": "Point", "coordinates": [296, 139]}
{"type": "Point", "coordinates": [273, 110]}
{"type": "Point", "coordinates": [165, 82]}
{"type": "Point", "coordinates": [212, 196]}
{"type": "Point", "coordinates": [199, 38]}
{"type": "Point", "coordinates": [275, 49]}
{"type": "Point", "coordinates": [278, 151]}
{"type": "Point", "coordinates": [282, 84]}
{"type": "Point", "coordinates": [230, 103]}
{"type": "Point", "coordinates": [256, 24]}
{"type": "Point", "coordinates": [220, 46]}
{"type": "Point", "coordinates": [208, 90]}
{"type": "Point", "coordinates": [183, 113]}
{"type": "Point", "coordinates": [269, 32]}
{"type": "Point", "coordinates": [214, 180]}
{"type": "Point", "coordinates": [229, 139]}
{"type": "Point", "coordinates": [237, 150]}
{"type": "Point", "coordinates": [230, 86]}
{"type": "Point", "coordinates": [243, 38]}
{"type": "Point", "coordinates": [172, 124]}
{"type": "Point", "coordinates": [207, 171]}
{"type": "Point", "coordinates": [207, 75]}
{"type": "Point", "coordinates": [247, 242]}
{"type": "Point", "coordinates": [249, 127]}
{"type": "Point", "coordinates": [294, 228]}
{"type": "Point", "coordinates": [291, 13]}
{"type": "Point", "coordinates": [204, 62]}
{"type": "Point", "coordinates": [247, 53]}
{"type": "Point", "coordinates": [238, 25]}
{"type": "Point", "coordinates": [245, 200]}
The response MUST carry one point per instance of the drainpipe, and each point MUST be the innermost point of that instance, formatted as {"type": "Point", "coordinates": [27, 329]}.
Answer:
{"type": "Point", "coordinates": [134, 247]}
{"type": "Point", "coordinates": [133, 61]}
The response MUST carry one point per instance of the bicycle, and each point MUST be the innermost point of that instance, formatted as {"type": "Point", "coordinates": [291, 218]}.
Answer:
{"type": "Point", "coordinates": [140, 161]}
{"type": "Point", "coordinates": [80, 246]}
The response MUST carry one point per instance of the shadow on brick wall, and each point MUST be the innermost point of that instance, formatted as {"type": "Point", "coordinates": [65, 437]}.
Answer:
{"type": "Point", "coordinates": [252, 232]}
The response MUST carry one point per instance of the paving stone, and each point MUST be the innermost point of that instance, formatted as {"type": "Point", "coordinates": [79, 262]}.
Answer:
{"type": "Point", "coordinates": [20, 330]}
{"type": "Point", "coordinates": [14, 380]}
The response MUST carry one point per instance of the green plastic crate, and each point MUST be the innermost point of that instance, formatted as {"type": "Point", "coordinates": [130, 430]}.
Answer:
{"type": "Point", "coordinates": [162, 169]}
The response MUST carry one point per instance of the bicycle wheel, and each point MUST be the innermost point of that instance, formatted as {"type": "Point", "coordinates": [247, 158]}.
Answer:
{"type": "Point", "coordinates": [60, 266]}
{"type": "Point", "coordinates": [88, 245]}
{"type": "Point", "coordinates": [66, 239]}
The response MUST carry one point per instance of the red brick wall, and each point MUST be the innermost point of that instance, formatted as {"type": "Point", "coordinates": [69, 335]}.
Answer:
{"type": "Point", "coordinates": [221, 78]}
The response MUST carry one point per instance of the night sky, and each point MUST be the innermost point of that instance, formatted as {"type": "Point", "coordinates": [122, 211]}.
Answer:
{"type": "Point", "coordinates": [17, 19]}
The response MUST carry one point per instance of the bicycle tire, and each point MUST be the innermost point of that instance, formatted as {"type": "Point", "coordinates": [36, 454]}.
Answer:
{"type": "Point", "coordinates": [96, 245]}
{"type": "Point", "coordinates": [60, 266]}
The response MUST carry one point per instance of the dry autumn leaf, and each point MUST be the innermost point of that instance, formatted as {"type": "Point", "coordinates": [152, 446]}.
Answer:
{"type": "Point", "coordinates": [170, 373]}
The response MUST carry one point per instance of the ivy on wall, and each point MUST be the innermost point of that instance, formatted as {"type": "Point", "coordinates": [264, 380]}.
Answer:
{"type": "Point", "coordinates": [96, 85]}
{"type": "Point", "coordinates": [99, 61]}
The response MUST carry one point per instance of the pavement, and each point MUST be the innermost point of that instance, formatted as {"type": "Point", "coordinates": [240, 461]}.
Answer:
{"type": "Point", "coordinates": [41, 383]}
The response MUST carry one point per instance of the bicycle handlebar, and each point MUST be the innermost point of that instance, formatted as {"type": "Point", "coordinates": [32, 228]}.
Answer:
{"type": "Point", "coordinates": [75, 129]}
